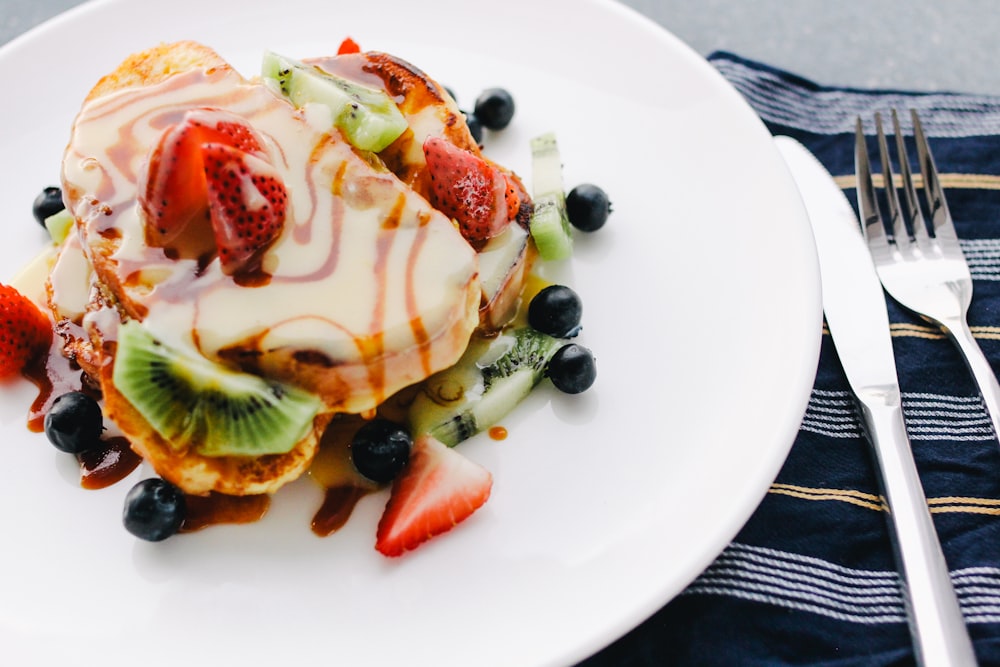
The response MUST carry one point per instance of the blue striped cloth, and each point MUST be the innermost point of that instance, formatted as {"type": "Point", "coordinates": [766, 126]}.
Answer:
{"type": "Point", "coordinates": [810, 579]}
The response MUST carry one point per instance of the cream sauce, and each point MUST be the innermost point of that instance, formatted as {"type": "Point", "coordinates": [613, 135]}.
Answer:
{"type": "Point", "coordinates": [370, 288]}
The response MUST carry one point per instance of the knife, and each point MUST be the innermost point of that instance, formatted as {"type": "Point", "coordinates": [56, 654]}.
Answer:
{"type": "Point", "coordinates": [855, 310]}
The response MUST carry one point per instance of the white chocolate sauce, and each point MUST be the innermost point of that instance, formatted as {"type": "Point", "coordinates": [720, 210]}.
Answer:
{"type": "Point", "coordinates": [370, 289]}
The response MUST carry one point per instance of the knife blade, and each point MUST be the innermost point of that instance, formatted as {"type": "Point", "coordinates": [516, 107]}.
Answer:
{"type": "Point", "coordinates": [855, 309]}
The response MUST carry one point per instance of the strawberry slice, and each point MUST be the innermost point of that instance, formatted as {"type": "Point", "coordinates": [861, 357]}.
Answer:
{"type": "Point", "coordinates": [25, 331]}
{"type": "Point", "coordinates": [172, 194]}
{"type": "Point", "coordinates": [438, 489]}
{"type": "Point", "coordinates": [348, 46]}
{"type": "Point", "coordinates": [247, 203]}
{"type": "Point", "coordinates": [511, 196]}
{"type": "Point", "coordinates": [468, 189]}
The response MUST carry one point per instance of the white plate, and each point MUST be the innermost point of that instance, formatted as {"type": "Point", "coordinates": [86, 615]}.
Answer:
{"type": "Point", "coordinates": [701, 302]}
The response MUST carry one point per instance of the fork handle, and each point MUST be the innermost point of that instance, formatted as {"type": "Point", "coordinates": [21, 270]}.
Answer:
{"type": "Point", "coordinates": [936, 623]}
{"type": "Point", "coordinates": [979, 366]}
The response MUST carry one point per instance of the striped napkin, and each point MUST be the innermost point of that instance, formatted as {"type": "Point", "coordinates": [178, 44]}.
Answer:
{"type": "Point", "coordinates": [810, 579]}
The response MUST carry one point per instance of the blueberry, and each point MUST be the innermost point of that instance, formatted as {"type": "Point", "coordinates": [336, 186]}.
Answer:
{"type": "Point", "coordinates": [588, 207]}
{"type": "Point", "coordinates": [494, 108]}
{"type": "Point", "coordinates": [572, 369]}
{"type": "Point", "coordinates": [380, 450]}
{"type": "Point", "coordinates": [48, 202]}
{"type": "Point", "coordinates": [475, 127]}
{"type": "Point", "coordinates": [74, 423]}
{"type": "Point", "coordinates": [556, 311]}
{"type": "Point", "coordinates": [154, 509]}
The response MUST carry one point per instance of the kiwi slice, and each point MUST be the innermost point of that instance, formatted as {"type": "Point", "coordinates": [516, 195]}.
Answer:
{"type": "Point", "coordinates": [492, 377]}
{"type": "Point", "coordinates": [549, 224]}
{"type": "Point", "coordinates": [195, 403]}
{"type": "Point", "coordinates": [367, 116]}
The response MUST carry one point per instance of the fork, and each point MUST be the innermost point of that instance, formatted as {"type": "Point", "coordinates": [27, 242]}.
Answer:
{"type": "Point", "coordinates": [926, 273]}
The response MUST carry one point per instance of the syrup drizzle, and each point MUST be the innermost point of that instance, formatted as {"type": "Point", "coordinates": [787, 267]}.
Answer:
{"type": "Point", "coordinates": [217, 508]}
{"type": "Point", "coordinates": [108, 464]}
{"type": "Point", "coordinates": [338, 504]}
{"type": "Point", "coordinates": [53, 375]}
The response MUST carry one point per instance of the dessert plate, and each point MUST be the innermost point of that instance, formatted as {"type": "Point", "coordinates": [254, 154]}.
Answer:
{"type": "Point", "coordinates": [701, 302]}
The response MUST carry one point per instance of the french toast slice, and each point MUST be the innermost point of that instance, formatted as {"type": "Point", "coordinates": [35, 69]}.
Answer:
{"type": "Point", "coordinates": [367, 290]}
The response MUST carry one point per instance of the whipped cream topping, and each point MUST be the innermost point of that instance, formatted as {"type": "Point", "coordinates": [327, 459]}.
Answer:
{"type": "Point", "coordinates": [370, 288]}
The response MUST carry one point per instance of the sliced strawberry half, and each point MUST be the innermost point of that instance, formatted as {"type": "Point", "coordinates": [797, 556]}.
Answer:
{"type": "Point", "coordinates": [247, 204]}
{"type": "Point", "coordinates": [172, 193]}
{"type": "Point", "coordinates": [438, 489]}
{"type": "Point", "coordinates": [468, 189]}
{"type": "Point", "coordinates": [25, 331]}
{"type": "Point", "coordinates": [348, 46]}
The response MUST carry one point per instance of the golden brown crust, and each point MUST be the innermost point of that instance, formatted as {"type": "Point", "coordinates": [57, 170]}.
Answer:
{"type": "Point", "coordinates": [151, 66]}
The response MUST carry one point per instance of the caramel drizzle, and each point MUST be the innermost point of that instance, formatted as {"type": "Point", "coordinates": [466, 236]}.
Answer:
{"type": "Point", "coordinates": [372, 346]}
{"type": "Point", "coordinates": [420, 335]}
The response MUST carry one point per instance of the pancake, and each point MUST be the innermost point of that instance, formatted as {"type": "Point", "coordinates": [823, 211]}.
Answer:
{"type": "Point", "coordinates": [367, 290]}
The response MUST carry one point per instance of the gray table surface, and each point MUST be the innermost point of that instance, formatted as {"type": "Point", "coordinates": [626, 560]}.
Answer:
{"type": "Point", "coordinates": [909, 44]}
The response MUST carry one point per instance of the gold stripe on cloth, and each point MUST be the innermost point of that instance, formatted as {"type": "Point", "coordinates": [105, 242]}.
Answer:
{"type": "Point", "coordinates": [946, 504]}
{"type": "Point", "coordinates": [964, 181]}
{"type": "Point", "coordinates": [907, 330]}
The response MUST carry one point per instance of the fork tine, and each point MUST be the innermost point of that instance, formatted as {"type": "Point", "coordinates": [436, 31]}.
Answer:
{"type": "Point", "coordinates": [944, 229]}
{"type": "Point", "coordinates": [872, 224]}
{"type": "Point", "coordinates": [899, 232]}
{"type": "Point", "coordinates": [910, 201]}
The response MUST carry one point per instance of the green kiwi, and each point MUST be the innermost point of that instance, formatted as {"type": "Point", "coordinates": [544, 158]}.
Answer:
{"type": "Point", "coordinates": [367, 116]}
{"type": "Point", "coordinates": [549, 225]}
{"type": "Point", "coordinates": [195, 403]}
{"type": "Point", "coordinates": [492, 377]}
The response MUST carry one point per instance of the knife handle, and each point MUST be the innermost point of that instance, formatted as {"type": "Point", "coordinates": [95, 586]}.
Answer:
{"type": "Point", "coordinates": [936, 623]}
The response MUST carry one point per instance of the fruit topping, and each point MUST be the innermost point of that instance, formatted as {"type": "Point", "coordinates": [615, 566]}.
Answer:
{"type": "Point", "coordinates": [348, 46]}
{"type": "Point", "coordinates": [556, 310]}
{"type": "Point", "coordinates": [470, 190]}
{"type": "Point", "coordinates": [247, 204]}
{"type": "Point", "coordinates": [380, 449]}
{"type": "Point", "coordinates": [438, 489]}
{"type": "Point", "coordinates": [195, 403]}
{"type": "Point", "coordinates": [154, 509]}
{"type": "Point", "coordinates": [48, 202]}
{"type": "Point", "coordinates": [493, 376]}
{"type": "Point", "coordinates": [588, 207]}
{"type": "Point", "coordinates": [59, 225]}
{"type": "Point", "coordinates": [74, 423]}
{"type": "Point", "coordinates": [174, 193]}
{"type": "Point", "coordinates": [494, 108]}
{"type": "Point", "coordinates": [25, 331]}
{"type": "Point", "coordinates": [572, 369]}
{"type": "Point", "coordinates": [368, 117]}
{"type": "Point", "coordinates": [549, 223]}
{"type": "Point", "coordinates": [475, 127]}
